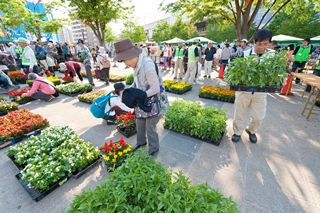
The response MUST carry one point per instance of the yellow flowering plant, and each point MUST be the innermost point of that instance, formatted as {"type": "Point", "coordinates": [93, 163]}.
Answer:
{"type": "Point", "coordinates": [115, 153]}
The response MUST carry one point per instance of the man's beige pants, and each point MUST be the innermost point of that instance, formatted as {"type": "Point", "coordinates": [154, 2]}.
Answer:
{"type": "Point", "coordinates": [190, 75]}
{"type": "Point", "coordinates": [207, 67]}
{"type": "Point", "coordinates": [178, 65]}
{"type": "Point", "coordinates": [257, 104]}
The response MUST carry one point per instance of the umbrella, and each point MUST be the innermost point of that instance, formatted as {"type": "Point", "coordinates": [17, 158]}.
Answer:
{"type": "Point", "coordinates": [285, 39]}
{"type": "Point", "coordinates": [202, 40]}
{"type": "Point", "coordinates": [173, 41]}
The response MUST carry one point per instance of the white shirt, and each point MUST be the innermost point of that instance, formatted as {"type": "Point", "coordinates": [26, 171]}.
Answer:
{"type": "Point", "coordinates": [12, 53]}
{"type": "Point", "coordinates": [30, 55]}
{"type": "Point", "coordinates": [100, 58]}
{"type": "Point", "coordinates": [116, 101]}
{"type": "Point", "coordinates": [218, 54]}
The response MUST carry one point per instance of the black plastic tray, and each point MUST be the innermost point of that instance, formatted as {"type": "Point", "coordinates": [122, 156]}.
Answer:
{"type": "Point", "coordinates": [127, 134]}
{"type": "Point", "coordinates": [74, 94]}
{"type": "Point", "coordinates": [36, 194]}
{"type": "Point", "coordinates": [19, 167]}
{"type": "Point", "coordinates": [217, 99]}
{"type": "Point", "coordinates": [85, 101]}
{"type": "Point", "coordinates": [4, 144]}
{"type": "Point", "coordinates": [34, 132]}
{"type": "Point", "coordinates": [271, 89]}
{"type": "Point", "coordinates": [3, 113]}
{"type": "Point", "coordinates": [23, 101]}
{"type": "Point", "coordinates": [214, 142]}
{"type": "Point", "coordinates": [78, 173]}
{"type": "Point", "coordinates": [177, 92]}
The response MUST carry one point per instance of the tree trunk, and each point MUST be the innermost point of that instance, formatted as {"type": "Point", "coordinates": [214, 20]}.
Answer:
{"type": "Point", "coordinates": [38, 33]}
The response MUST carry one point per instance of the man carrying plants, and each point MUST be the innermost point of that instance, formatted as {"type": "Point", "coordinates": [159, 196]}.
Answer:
{"type": "Point", "coordinates": [255, 101]}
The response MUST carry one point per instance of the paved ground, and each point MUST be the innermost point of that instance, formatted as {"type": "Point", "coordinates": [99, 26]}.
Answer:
{"type": "Point", "coordinates": [278, 174]}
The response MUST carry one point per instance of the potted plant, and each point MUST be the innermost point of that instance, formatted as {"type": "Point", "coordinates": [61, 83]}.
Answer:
{"type": "Point", "coordinates": [257, 74]}
{"type": "Point", "coordinates": [126, 124]}
{"type": "Point", "coordinates": [177, 87]}
{"type": "Point", "coordinates": [91, 96]}
{"type": "Point", "coordinates": [116, 78]}
{"type": "Point", "coordinates": [16, 96]}
{"type": "Point", "coordinates": [115, 153]}
{"type": "Point", "coordinates": [128, 79]}
{"type": "Point", "coordinates": [74, 88]}
{"type": "Point", "coordinates": [5, 107]}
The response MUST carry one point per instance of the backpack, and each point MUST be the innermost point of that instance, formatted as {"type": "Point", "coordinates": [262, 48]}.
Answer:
{"type": "Point", "coordinates": [105, 62]}
{"type": "Point", "coordinates": [98, 106]}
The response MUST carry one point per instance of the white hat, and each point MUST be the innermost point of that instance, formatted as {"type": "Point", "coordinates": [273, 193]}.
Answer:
{"type": "Point", "coordinates": [10, 43]}
{"type": "Point", "coordinates": [101, 50]}
{"type": "Point", "coordinates": [62, 66]}
{"type": "Point", "coordinates": [144, 45]}
{"type": "Point", "coordinates": [244, 40]}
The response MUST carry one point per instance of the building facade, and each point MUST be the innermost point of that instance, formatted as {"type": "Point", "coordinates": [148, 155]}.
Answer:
{"type": "Point", "coordinates": [65, 35]}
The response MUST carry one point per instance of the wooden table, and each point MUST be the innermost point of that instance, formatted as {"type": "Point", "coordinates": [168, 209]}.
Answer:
{"type": "Point", "coordinates": [314, 82]}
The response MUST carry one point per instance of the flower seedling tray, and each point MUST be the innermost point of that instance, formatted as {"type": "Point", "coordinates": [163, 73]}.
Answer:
{"type": "Point", "coordinates": [36, 194]}
{"type": "Point", "coordinates": [208, 140]}
{"type": "Point", "coordinates": [35, 132]}
{"type": "Point", "coordinates": [85, 101]}
{"type": "Point", "coordinates": [271, 89]}
{"type": "Point", "coordinates": [79, 173]}
{"type": "Point", "coordinates": [4, 144]}
{"type": "Point", "coordinates": [19, 167]}
{"type": "Point", "coordinates": [127, 134]}
{"type": "Point", "coordinates": [3, 113]}
{"type": "Point", "coordinates": [23, 101]}
{"type": "Point", "coordinates": [179, 92]}
{"type": "Point", "coordinates": [74, 94]}
{"type": "Point", "coordinates": [218, 99]}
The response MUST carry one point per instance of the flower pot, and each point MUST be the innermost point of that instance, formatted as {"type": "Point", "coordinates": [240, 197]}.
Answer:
{"type": "Point", "coordinates": [126, 133]}
{"type": "Point", "coordinates": [79, 173]}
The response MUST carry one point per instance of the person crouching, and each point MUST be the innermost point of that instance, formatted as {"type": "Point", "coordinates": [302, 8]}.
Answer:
{"type": "Point", "coordinates": [41, 88]}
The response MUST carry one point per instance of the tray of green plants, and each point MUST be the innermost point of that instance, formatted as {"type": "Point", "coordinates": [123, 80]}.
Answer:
{"type": "Point", "coordinates": [217, 93]}
{"type": "Point", "coordinates": [142, 184]}
{"type": "Point", "coordinates": [116, 78]}
{"type": "Point", "coordinates": [74, 89]}
{"type": "Point", "coordinates": [205, 123]}
{"type": "Point", "coordinates": [177, 87]}
{"type": "Point", "coordinates": [89, 97]}
{"type": "Point", "coordinates": [128, 79]}
{"type": "Point", "coordinates": [258, 74]}
{"type": "Point", "coordinates": [50, 159]}
{"type": "Point", "coordinates": [6, 106]}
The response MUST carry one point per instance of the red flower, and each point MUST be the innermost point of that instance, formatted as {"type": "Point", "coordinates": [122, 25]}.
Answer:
{"type": "Point", "coordinates": [115, 147]}
{"type": "Point", "coordinates": [111, 143]}
{"type": "Point", "coordinates": [106, 148]}
{"type": "Point", "coordinates": [122, 142]}
{"type": "Point", "coordinates": [100, 148]}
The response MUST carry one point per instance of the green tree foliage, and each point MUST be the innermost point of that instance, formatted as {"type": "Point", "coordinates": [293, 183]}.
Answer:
{"type": "Point", "coordinates": [293, 26]}
{"type": "Point", "coordinates": [241, 13]}
{"type": "Point", "coordinates": [161, 32]}
{"type": "Point", "coordinates": [98, 13]}
{"type": "Point", "coordinates": [133, 31]}
{"type": "Point", "coordinates": [15, 14]}
{"type": "Point", "coordinates": [183, 30]}
{"type": "Point", "coordinates": [109, 35]}
{"type": "Point", "coordinates": [222, 31]}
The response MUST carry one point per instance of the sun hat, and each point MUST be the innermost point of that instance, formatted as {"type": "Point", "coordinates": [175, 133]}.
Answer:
{"type": "Point", "coordinates": [125, 50]}
{"type": "Point", "coordinates": [244, 40]}
{"type": "Point", "coordinates": [22, 40]}
{"type": "Point", "coordinates": [10, 43]}
{"type": "Point", "coordinates": [32, 76]}
{"type": "Point", "coordinates": [119, 86]}
{"type": "Point", "coordinates": [196, 40]}
{"type": "Point", "coordinates": [101, 50]}
{"type": "Point", "coordinates": [62, 66]}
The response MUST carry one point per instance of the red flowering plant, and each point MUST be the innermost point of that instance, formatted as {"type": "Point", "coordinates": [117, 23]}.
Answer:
{"type": "Point", "coordinates": [19, 77]}
{"type": "Point", "coordinates": [20, 122]}
{"type": "Point", "coordinates": [115, 153]}
{"type": "Point", "coordinates": [68, 79]}
{"type": "Point", "coordinates": [126, 122]}
{"type": "Point", "coordinates": [16, 95]}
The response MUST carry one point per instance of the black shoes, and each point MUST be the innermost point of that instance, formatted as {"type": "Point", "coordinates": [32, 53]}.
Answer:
{"type": "Point", "coordinates": [252, 137]}
{"type": "Point", "coordinates": [110, 122]}
{"type": "Point", "coordinates": [235, 138]}
{"type": "Point", "coordinates": [137, 146]}
{"type": "Point", "coordinates": [154, 152]}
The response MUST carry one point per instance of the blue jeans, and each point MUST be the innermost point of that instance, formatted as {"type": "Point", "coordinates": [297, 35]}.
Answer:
{"type": "Point", "coordinates": [5, 82]}
{"type": "Point", "coordinates": [35, 69]}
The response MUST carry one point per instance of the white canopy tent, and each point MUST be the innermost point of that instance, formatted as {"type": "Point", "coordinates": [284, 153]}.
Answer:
{"type": "Point", "coordinates": [315, 39]}
{"type": "Point", "coordinates": [202, 40]}
{"type": "Point", "coordinates": [173, 41]}
{"type": "Point", "coordinates": [286, 39]}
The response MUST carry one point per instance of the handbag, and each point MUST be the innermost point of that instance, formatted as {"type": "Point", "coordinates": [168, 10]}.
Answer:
{"type": "Point", "coordinates": [155, 110]}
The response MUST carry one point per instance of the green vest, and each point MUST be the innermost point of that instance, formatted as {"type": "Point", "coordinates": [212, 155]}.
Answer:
{"type": "Point", "coordinates": [302, 54]}
{"type": "Point", "coordinates": [25, 61]}
{"type": "Point", "coordinates": [318, 67]}
{"type": "Point", "coordinates": [191, 55]}
{"type": "Point", "coordinates": [17, 49]}
{"type": "Point", "coordinates": [179, 53]}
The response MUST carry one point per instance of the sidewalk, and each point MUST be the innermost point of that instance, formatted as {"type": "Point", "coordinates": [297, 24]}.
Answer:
{"type": "Point", "coordinates": [278, 174]}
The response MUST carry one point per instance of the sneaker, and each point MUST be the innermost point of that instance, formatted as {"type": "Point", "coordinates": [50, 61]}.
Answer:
{"type": "Point", "coordinates": [174, 78]}
{"type": "Point", "coordinates": [110, 122]}
{"type": "Point", "coordinates": [93, 85]}
{"type": "Point", "coordinates": [235, 138]}
{"type": "Point", "coordinates": [252, 137]}
{"type": "Point", "coordinates": [50, 99]}
{"type": "Point", "coordinates": [209, 76]}
{"type": "Point", "coordinates": [204, 76]}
